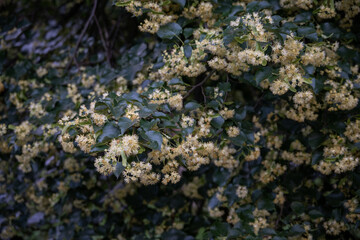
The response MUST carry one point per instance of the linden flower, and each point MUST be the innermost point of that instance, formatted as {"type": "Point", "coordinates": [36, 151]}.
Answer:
{"type": "Point", "coordinates": [278, 87]}
{"type": "Point", "coordinates": [130, 144]}
{"type": "Point", "coordinates": [242, 192]}
{"type": "Point", "coordinates": [187, 121]}
{"type": "Point", "coordinates": [227, 114]}
{"type": "Point", "coordinates": [85, 142]}
{"type": "Point", "coordinates": [3, 129]}
{"type": "Point", "coordinates": [36, 110]}
{"type": "Point", "coordinates": [41, 72]}
{"type": "Point", "coordinates": [23, 130]}
{"type": "Point", "coordinates": [104, 166]}
{"type": "Point", "coordinates": [233, 131]}
{"type": "Point", "coordinates": [99, 119]}
{"type": "Point", "coordinates": [332, 227]}
{"type": "Point", "coordinates": [353, 131]}
{"type": "Point", "coordinates": [176, 102]}
{"type": "Point", "coordinates": [132, 112]}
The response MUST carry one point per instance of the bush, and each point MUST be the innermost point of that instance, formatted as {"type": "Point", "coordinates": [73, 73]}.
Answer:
{"type": "Point", "coordinates": [213, 120]}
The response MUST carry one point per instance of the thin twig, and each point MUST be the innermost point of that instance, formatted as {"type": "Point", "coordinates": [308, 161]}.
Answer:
{"type": "Point", "coordinates": [114, 32]}
{"type": "Point", "coordinates": [227, 80]}
{"type": "Point", "coordinates": [103, 41]}
{"type": "Point", "coordinates": [279, 216]}
{"type": "Point", "coordinates": [73, 58]}
{"type": "Point", "coordinates": [259, 100]}
{"type": "Point", "coordinates": [199, 84]}
{"type": "Point", "coordinates": [203, 93]}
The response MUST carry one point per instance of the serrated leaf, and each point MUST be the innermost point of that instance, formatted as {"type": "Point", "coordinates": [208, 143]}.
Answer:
{"type": "Point", "coordinates": [144, 112]}
{"type": "Point", "coordinates": [297, 207]}
{"type": "Point", "coordinates": [99, 148]}
{"type": "Point", "coordinates": [187, 51]}
{"type": "Point", "coordinates": [263, 74]}
{"type": "Point", "coordinates": [109, 132]}
{"type": "Point", "coordinates": [169, 30]}
{"type": "Point", "coordinates": [180, 2]}
{"type": "Point", "coordinates": [175, 81]}
{"type": "Point", "coordinates": [188, 32]}
{"type": "Point", "coordinates": [297, 229]}
{"type": "Point", "coordinates": [225, 86]}
{"type": "Point", "coordinates": [315, 139]}
{"type": "Point", "coordinates": [315, 214]}
{"type": "Point", "coordinates": [317, 85]}
{"type": "Point", "coordinates": [268, 231]}
{"type": "Point", "coordinates": [124, 124]}
{"type": "Point", "coordinates": [155, 139]}
{"type": "Point", "coordinates": [147, 125]}
{"type": "Point", "coordinates": [132, 96]}
{"type": "Point", "coordinates": [191, 106]}
{"type": "Point", "coordinates": [217, 122]}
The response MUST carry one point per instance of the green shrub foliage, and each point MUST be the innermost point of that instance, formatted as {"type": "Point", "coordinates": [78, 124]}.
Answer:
{"type": "Point", "coordinates": [180, 119]}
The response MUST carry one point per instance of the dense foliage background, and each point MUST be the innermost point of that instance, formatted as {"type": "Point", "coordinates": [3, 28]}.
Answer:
{"type": "Point", "coordinates": [179, 119]}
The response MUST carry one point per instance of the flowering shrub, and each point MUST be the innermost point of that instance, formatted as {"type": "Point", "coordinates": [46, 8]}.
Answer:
{"type": "Point", "coordinates": [215, 120]}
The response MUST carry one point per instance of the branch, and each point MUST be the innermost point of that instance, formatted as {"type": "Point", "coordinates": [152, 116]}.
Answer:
{"type": "Point", "coordinates": [73, 58]}
{"type": "Point", "coordinates": [279, 216]}
{"type": "Point", "coordinates": [203, 93]}
{"type": "Point", "coordinates": [199, 84]}
{"type": "Point", "coordinates": [114, 32]}
{"type": "Point", "coordinates": [227, 80]}
{"type": "Point", "coordinates": [259, 100]}
{"type": "Point", "coordinates": [103, 41]}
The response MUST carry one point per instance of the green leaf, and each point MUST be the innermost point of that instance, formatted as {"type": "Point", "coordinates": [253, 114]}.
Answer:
{"type": "Point", "coordinates": [264, 73]}
{"type": "Point", "coordinates": [292, 89]}
{"type": "Point", "coordinates": [200, 234]}
{"type": "Point", "coordinates": [145, 112]}
{"type": "Point", "coordinates": [169, 30]}
{"type": "Point", "coordinates": [217, 122]}
{"type": "Point", "coordinates": [124, 124]}
{"type": "Point", "coordinates": [155, 139]}
{"type": "Point", "coordinates": [317, 85]}
{"type": "Point", "coordinates": [297, 207]}
{"type": "Point", "coordinates": [119, 110]}
{"type": "Point", "coordinates": [191, 106]}
{"type": "Point", "coordinates": [308, 32]}
{"type": "Point", "coordinates": [239, 140]}
{"type": "Point", "coordinates": [187, 51]}
{"type": "Point", "coordinates": [214, 105]}
{"type": "Point", "coordinates": [268, 231]}
{"type": "Point", "coordinates": [297, 229]}
{"type": "Point", "coordinates": [118, 169]}
{"type": "Point", "coordinates": [132, 96]}
{"type": "Point", "coordinates": [109, 132]}
{"type": "Point", "coordinates": [99, 148]}
{"type": "Point", "coordinates": [175, 81]}
{"type": "Point", "coordinates": [225, 86]}
{"type": "Point", "coordinates": [188, 32]}
{"type": "Point", "coordinates": [159, 115]}
{"type": "Point", "coordinates": [147, 125]}
{"type": "Point", "coordinates": [180, 2]}
{"type": "Point", "coordinates": [316, 157]}
{"type": "Point", "coordinates": [256, 6]}
{"type": "Point", "coordinates": [315, 139]}
{"type": "Point", "coordinates": [315, 214]}
{"type": "Point", "coordinates": [303, 17]}
{"type": "Point", "coordinates": [310, 69]}
{"type": "Point", "coordinates": [331, 29]}
{"type": "Point", "coordinates": [220, 229]}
